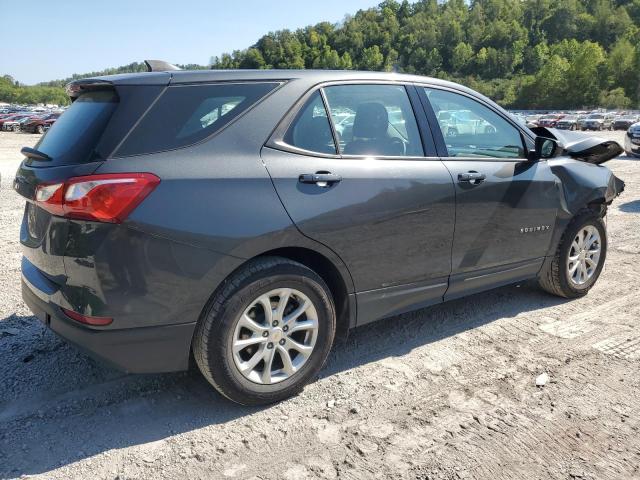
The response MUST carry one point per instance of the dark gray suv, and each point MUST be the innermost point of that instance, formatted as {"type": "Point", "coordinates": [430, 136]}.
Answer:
{"type": "Point", "coordinates": [246, 218]}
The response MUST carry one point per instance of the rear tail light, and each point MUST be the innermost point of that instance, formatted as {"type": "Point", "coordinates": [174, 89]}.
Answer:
{"type": "Point", "coordinates": [109, 197]}
{"type": "Point", "coordinates": [96, 321]}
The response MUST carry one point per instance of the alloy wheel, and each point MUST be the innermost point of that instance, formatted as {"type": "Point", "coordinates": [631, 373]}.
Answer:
{"type": "Point", "coordinates": [584, 255]}
{"type": "Point", "coordinates": [275, 336]}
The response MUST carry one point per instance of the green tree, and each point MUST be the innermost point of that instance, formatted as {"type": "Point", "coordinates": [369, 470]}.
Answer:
{"type": "Point", "coordinates": [615, 98]}
{"type": "Point", "coordinates": [372, 58]}
{"type": "Point", "coordinates": [461, 57]}
{"type": "Point", "coordinates": [253, 59]}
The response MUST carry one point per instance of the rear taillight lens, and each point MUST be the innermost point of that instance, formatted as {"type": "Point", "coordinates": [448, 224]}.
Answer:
{"type": "Point", "coordinates": [109, 197]}
{"type": "Point", "coordinates": [86, 319]}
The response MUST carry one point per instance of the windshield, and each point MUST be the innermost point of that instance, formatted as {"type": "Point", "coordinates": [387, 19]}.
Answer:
{"type": "Point", "coordinates": [595, 117]}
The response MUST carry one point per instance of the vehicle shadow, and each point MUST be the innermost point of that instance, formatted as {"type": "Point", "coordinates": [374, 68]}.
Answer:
{"type": "Point", "coordinates": [57, 406]}
{"type": "Point", "coordinates": [630, 207]}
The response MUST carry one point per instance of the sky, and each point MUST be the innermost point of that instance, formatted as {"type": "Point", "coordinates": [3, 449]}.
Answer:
{"type": "Point", "coordinates": [52, 39]}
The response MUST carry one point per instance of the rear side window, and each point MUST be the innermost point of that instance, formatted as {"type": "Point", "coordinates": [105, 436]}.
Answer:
{"type": "Point", "coordinates": [187, 114]}
{"type": "Point", "coordinates": [310, 130]}
{"type": "Point", "coordinates": [375, 120]}
{"type": "Point", "coordinates": [74, 136]}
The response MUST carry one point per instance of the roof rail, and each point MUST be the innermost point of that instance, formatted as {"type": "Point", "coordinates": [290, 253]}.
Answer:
{"type": "Point", "coordinates": [159, 66]}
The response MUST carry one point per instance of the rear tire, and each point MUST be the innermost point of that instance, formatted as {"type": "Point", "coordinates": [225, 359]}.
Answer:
{"type": "Point", "coordinates": [560, 275]}
{"type": "Point", "coordinates": [272, 337]}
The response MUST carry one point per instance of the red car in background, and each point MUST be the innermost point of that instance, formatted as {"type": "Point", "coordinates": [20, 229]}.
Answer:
{"type": "Point", "coordinates": [549, 121]}
{"type": "Point", "coordinates": [12, 119]}
{"type": "Point", "coordinates": [49, 123]}
{"type": "Point", "coordinates": [39, 124]}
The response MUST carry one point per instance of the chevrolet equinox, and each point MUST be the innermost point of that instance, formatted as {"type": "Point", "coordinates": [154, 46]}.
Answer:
{"type": "Point", "coordinates": [245, 219]}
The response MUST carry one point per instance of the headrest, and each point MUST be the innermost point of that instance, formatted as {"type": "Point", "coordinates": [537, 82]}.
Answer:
{"type": "Point", "coordinates": [372, 121]}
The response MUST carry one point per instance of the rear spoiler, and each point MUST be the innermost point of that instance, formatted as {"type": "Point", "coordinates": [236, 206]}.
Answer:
{"type": "Point", "coordinates": [78, 87]}
{"type": "Point", "coordinates": [160, 66]}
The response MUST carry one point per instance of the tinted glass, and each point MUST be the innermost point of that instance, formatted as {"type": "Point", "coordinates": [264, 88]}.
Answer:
{"type": "Point", "coordinates": [187, 114]}
{"type": "Point", "coordinates": [311, 129]}
{"type": "Point", "coordinates": [472, 130]}
{"type": "Point", "coordinates": [374, 120]}
{"type": "Point", "coordinates": [74, 136]}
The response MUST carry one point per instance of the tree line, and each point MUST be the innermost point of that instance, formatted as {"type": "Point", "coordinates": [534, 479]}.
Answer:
{"type": "Point", "coordinates": [523, 53]}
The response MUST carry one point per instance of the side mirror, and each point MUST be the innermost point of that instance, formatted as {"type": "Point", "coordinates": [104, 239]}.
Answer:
{"type": "Point", "coordinates": [545, 148]}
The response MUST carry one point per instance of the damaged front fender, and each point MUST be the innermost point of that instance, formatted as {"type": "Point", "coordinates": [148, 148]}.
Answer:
{"type": "Point", "coordinates": [584, 184]}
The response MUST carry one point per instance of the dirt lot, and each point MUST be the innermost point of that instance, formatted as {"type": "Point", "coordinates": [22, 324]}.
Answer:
{"type": "Point", "coordinates": [447, 392]}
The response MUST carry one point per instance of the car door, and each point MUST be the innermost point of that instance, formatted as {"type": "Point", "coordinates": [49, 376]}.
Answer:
{"type": "Point", "coordinates": [505, 204]}
{"type": "Point", "coordinates": [368, 191]}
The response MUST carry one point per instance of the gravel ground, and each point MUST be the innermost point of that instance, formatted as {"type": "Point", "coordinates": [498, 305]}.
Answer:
{"type": "Point", "coordinates": [445, 392]}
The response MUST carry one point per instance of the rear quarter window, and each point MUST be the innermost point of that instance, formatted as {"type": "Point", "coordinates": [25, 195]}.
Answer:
{"type": "Point", "coordinates": [187, 114]}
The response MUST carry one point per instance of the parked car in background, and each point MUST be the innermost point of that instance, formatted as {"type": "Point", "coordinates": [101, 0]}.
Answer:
{"type": "Point", "coordinates": [47, 124]}
{"type": "Point", "coordinates": [462, 122]}
{"type": "Point", "coordinates": [152, 238]}
{"type": "Point", "coordinates": [549, 121]}
{"type": "Point", "coordinates": [570, 122]}
{"type": "Point", "coordinates": [598, 121]}
{"type": "Point", "coordinates": [623, 122]}
{"type": "Point", "coordinates": [532, 121]}
{"type": "Point", "coordinates": [37, 124]}
{"type": "Point", "coordinates": [632, 140]}
{"type": "Point", "coordinates": [8, 118]}
{"type": "Point", "coordinates": [12, 124]}
{"type": "Point", "coordinates": [581, 118]}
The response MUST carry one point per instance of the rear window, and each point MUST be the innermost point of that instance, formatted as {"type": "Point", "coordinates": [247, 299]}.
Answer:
{"type": "Point", "coordinates": [74, 136]}
{"type": "Point", "coordinates": [187, 114]}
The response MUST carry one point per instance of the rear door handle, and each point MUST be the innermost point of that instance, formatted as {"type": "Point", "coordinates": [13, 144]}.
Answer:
{"type": "Point", "coordinates": [321, 179]}
{"type": "Point", "coordinates": [471, 177]}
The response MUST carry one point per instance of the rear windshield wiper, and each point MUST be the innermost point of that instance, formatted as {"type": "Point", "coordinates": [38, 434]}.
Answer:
{"type": "Point", "coordinates": [35, 154]}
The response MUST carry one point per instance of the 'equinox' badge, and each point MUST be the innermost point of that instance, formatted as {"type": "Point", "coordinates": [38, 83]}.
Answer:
{"type": "Point", "coordinates": [540, 228]}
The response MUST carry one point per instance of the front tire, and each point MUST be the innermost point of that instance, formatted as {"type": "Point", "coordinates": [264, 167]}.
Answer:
{"type": "Point", "coordinates": [267, 331]}
{"type": "Point", "coordinates": [579, 259]}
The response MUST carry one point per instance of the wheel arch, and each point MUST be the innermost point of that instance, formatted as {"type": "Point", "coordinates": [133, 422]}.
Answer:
{"type": "Point", "coordinates": [333, 277]}
{"type": "Point", "coordinates": [331, 270]}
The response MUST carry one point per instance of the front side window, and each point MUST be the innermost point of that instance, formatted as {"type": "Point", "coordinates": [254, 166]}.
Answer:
{"type": "Point", "coordinates": [471, 129]}
{"type": "Point", "coordinates": [374, 120]}
{"type": "Point", "coordinates": [310, 130]}
{"type": "Point", "coordinates": [187, 114]}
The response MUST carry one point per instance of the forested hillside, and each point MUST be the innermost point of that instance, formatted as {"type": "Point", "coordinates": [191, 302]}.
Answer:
{"type": "Point", "coordinates": [523, 53]}
{"type": "Point", "coordinates": [532, 53]}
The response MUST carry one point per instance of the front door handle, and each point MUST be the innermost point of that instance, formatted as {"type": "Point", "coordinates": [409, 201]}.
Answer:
{"type": "Point", "coordinates": [322, 179]}
{"type": "Point", "coordinates": [471, 177]}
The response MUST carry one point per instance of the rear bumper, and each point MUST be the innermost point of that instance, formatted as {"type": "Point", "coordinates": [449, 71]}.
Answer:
{"type": "Point", "coordinates": [153, 349]}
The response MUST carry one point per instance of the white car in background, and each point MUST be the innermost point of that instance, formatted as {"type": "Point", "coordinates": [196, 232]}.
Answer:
{"type": "Point", "coordinates": [463, 122]}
